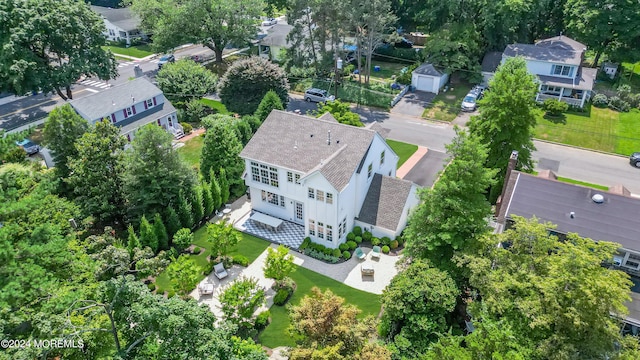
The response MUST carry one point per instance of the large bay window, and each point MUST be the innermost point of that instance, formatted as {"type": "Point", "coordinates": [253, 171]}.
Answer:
{"type": "Point", "coordinates": [264, 174]}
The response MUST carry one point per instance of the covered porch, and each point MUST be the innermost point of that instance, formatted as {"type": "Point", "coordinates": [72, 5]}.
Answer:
{"type": "Point", "coordinates": [573, 91]}
{"type": "Point", "coordinates": [573, 97]}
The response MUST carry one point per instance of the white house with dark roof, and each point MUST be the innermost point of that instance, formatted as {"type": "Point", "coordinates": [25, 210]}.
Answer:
{"type": "Point", "coordinates": [427, 78]}
{"type": "Point", "coordinates": [121, 24]}
{"type": "Point", "coordinates": [129, 106]}
{"type": "Point", "coordinates": [557, 63]}
{"type": "Point", "coordinates": [326, 177]}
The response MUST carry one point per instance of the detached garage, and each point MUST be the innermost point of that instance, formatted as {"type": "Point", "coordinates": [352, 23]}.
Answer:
{"type": "Point", "coordinates": [427, 78]}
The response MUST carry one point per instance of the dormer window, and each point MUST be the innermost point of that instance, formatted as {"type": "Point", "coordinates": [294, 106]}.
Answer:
{"type": "Point", "coordinates": [562, 70]}
{"type": "Point", "coordinates": [149, 103]}
{"type": "Point", "coordinates": [129, 113]}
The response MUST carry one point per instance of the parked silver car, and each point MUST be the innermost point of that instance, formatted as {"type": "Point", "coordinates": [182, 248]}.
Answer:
{"type": "Point", "coordinates": [29, 147]}
{"type": "Point", "coordinates": [317, 95]}
{"type": "Point", "coordinates": [469, 102]}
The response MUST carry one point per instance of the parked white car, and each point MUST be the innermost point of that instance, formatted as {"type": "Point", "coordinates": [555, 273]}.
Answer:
{"type": "Point", "coordinates": [270, 22]}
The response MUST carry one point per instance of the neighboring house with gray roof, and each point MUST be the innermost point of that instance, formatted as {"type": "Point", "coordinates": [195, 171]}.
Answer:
{"type": "Point", "coordinates": [427, 77]}
{"type": "Point", "coordinates": [121, 24]}
{"type": "Point", "coordinates": [129, 106]}
{"type": "Point", "coordinates": [557, 63]}
{"type": "Point", "coordinates": [319, 174]}
{"type": "Point", "coordinates": [274, 41]}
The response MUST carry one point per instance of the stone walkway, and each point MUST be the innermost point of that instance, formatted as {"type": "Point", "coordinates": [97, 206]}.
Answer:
{"type": "Point", "coordinates": [411, 162]}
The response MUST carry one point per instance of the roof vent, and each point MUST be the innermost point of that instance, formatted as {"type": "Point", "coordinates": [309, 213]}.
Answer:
{"type": "Point", "coordinates": [329, 137]}
{"type": "Point", "coordinates": [311, 135]}
{"type": "Point", "coordinates": [572, 214]}
{"type": "Point", "coordinates": [597, 198]}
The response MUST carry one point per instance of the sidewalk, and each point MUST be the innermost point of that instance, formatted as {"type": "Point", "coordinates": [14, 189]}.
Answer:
{"type": "Point", "coordinates": [411, 162]}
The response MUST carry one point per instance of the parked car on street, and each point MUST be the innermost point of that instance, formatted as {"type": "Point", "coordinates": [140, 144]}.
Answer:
{"type": "Point", "coordinates": [404, 43]}
{"type": "Point", "coordinates": [270, 22]}
{"type": "Point", "coordinates": [165, 59]}
{"type": "Point", "coordinates": [317, 95]}
{"type": "Point", "coordinates": [29, 147]}
{"type": "Point", "coordinates": [469, 102]}
{"type": "Point", "coordinates": [634, 159]}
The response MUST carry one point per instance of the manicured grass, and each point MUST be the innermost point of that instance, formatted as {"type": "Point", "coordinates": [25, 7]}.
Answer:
{"type": "Point", "coordinates": [403, 150]}
{"type": "Point", "coordinates": [137, 51]}
{"type": "Point", "coordinates": [217, 106]}
{"type": "Point", "coordinates": [583, 183]}
{"type": "Point", "coordinates": [191, 151]}
{"type": "Point", "coordinates": [250, 247]}
{"type": "Point", "coordinates": [275, 334]}
{"type": "Point", "coordinates": [446, 105]}
{"type": "Point", "coordinates": [598, 129]}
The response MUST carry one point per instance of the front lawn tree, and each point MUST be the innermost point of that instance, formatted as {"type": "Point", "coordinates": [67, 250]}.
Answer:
{"type": "Point", "coordinates": [453, 213]}
{"type": "Point", "coordinates": [279, 263]}
{"type": "Point", "coordinates": [47, 45]}
{"type": "Point", "coordinates": [96, 172]}
{"type": "Point", "coordinates": [222, 237]}
{"type": "Point", "coordinates": [212, 23]}
{"type": "Point", "coordinates": [61, 130]}
{"type": "Point", "coordinates": [185, 80]}
{"type": "Point", "coordinates": [255, 73]}
{"type": "Point", "coordinates": [507, 118]}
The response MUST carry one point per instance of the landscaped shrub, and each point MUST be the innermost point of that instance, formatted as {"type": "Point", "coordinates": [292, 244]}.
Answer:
{"type": "Point", "coordinates": [327, 251]}
{"type": "Point", "coordinates": [151, 286]}
{"type": "Point", "coordinates": [352, 245]}
{"type": "Point", "coordinates": [343, 247]}
{"type": "Point", "coordinates": [281, 297]}
{"type": "Point", "coordinates": [241, 260]}
{"type": "Point", "coordinates": [358, 239]}
{"type": "Point", "coordinates": [394, 244]}
{"type": "Point", "coordinates": [554, 107]}
{"type": "Point", "coordinates": [600, 100]}
{"type": "Point", "coordinates": [346, 255]}
{"type": "Point", "coordinates": [351, 236]}
{"type": "Point", "coordinates": [375, 241]}
{"type": "Point", "coordinates": [171, 294]}
{"type": "Point", "coordinates": [196, 250]}
{"type": "Point", "coordinates": [186, 127]}
{"type": "Point", "coordinates": [618, 104]}
{"type": "Point", "coordinates": [321, 256]}
{"type": "Point", "coordinates": [357, 231]}
{"type": "Point", "coordinates": [385, 241]}
{"type": "Point", "coordinates": [385, 249]}
{"type": "Point", "coordinates": [337, 252]}
{"type": "Point", "coordinates": [262, 320]}
{"type": "Point", "coordinates": [405, 77]}
{"type": "Point", "coordinates": [208, 268]}
{"type": "Point", "coordinates": [400, 240]}
{"type": "Point", "coordinates": [366, 236]}
{"type": "Point", "coordinates": [305, 243]}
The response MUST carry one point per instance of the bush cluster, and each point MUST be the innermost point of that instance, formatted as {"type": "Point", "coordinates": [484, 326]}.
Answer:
{"type": "Point", "coordinates": [262, 320]}
{"type": "Point", "coordinates": [320, 255]}
{"type": "Point", "coordinates": [352, 245]}
{"type": "Point", "coordinates": [196, 250]}
{"type": "Point", "coordinates": [385, 241]}
{"type": "Point", "coordinates": [600, 100]}
{"type": "Point", "coordinates": [616, 103]}
{"type": "Point", "coordinates": [357, 231]}
{"type": "Point", "coordinates": [358, 239]}
{"type": "Point", "coordinates": [343, 247]}
{"type": "Point", "coordinates": [187, 128]}
{"type": "Point", "coordinates": [385, 249]}
{"type": "Point", "coordinates": [151, 286]}
{"type": "Point", "coordinates": [346, 255]}
{"type": "Point", "coordinates": [351, 236]}
{"type": "Point", "coordinates": [375, 241]}
{"type": "Point", "coordinates": [394, 244]}
{"type": "Point", "coordinates": [282, 296]}
{"type": "Point", "coordinates": [366, 236]}
{"type": "Point", "coordinates": [305, 243]}
{"type": "Point", "coordinates": [241, 260]}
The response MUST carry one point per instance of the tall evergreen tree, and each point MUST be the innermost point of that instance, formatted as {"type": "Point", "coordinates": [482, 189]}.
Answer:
{"type": "Point", "coordinates": [161, 233]}
{"type": "Point", "coordinates": [225, 192]}
{"type": "Point", "coordinates": [132, 240]}
{"type": "Point", "coordinates": [221, 149]}
{"type": "Point", "coordinates": [271, 101]}
{"type": "Point", "coordinates": [197, 209]}
{"type": "Point", "coordinates": [507, 118]}
{"type": "Point", "coordinates": [173, 222]}
{"type": "Point", "coordinates": [184, 211]}
{"type": "Point", "coordinates": [216, 192]}
{"type": "Point", "coordinates": [207, 199]}
{"type": "Point", "coordinates": [148, 235]}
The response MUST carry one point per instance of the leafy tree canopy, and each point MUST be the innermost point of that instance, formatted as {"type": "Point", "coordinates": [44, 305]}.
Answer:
{"type": "Point", "coordinates": [185, 80]}
{"type": "Point", "coordinates": [222, 148]}
{"type": "Point", "coordinates": [341, 111]}
{"type": "Point", "coordinates": [61, 130]}
{"type": "Point", "coordinates": [269, 102]}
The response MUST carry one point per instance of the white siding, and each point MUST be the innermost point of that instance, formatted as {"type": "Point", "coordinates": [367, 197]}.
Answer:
{"type": "Point", "coordinates": [373, 157]}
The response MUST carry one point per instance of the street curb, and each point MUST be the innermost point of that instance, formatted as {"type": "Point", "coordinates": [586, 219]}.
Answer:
{"type": "Point", "coordinates": [579, 147]}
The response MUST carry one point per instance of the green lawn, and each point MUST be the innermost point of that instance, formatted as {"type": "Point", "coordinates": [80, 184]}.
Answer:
{"type": "Point", "coordinates": [217, 106]}
{"type": "Point", "coordinates": [387, 69]}
{"type": "Point", "coordinates": [446, 105]}
{"type": "Point", "coordinates": [137, 51]}
{"type": "Point", "coordinates": [403, 150]}
{"type": "Point", "coordinates": [249, 246]}
{"type": "Point", "coordinates": [191, 151]}
{"type": "Point", "coordinates": [275, 334]}
{"type": "Point", "coordinates": [598, 129]}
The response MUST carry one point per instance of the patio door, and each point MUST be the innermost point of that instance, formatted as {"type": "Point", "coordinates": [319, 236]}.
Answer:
{"type": "Point", "coordinates": [299, 215]}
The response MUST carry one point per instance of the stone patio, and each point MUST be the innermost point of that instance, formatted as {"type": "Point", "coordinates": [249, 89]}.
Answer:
{"type": "Point", "coordinates": [290, 234]}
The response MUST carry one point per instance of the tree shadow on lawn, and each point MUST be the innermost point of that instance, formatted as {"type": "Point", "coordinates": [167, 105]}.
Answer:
{"type": "Point", "coordinates": [556, 119]}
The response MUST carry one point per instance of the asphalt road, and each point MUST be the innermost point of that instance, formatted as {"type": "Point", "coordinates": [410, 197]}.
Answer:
{"type": "Point", "coordinates": [426, 171]}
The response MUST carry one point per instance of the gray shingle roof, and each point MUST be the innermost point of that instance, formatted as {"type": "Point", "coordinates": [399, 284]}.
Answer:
{"type": "Point", "coordinates": [299, 143]}
{"type": "Point", "coordinates": [491, 61]}
{"type": "Point", "coordinates": [427, 69]}
{"type": "Point", "coordinates": [549, 200]}
{"type": "Point", "coordinates": [559, 49]}
{"type": "Point", "coordinates": [583, 81]}
{"type": "Point", "coordinates": [277, 35]}
{"type": "Point", "coordinates": [385, 201]}
{"type": "Point", "coordinates": [384, 132]}
{"type": "Point", "coordinates": [102, 104]}
{"type": "Point", "coordinates": [121, 17]}
{"type": "Point", "coordinates": [327, 116]}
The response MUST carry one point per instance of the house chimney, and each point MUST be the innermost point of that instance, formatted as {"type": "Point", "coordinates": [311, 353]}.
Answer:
{"type": "Point", "coordinates": [329, 137]}
{"type": "Point", "coordinates": [133, 100]}
{"type": "Point", "coordinates": [560, 37]}
{"type": "Point", "coordinates": [513, 161]}
{"type": "Point", "coordinates": [572, 215]}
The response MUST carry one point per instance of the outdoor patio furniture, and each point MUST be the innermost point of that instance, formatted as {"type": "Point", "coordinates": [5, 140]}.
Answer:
{"type": "Point", "coordinates": [375, 252]}
{"type": "Point", "coordinates": [266, 222]}
{"type": "Point", "coordinates": [359, 253]}
{"type": "Point", "coordinates": [205, 289]}
{"type": "Point", "coordinates": [367, 269]}
{"type": "Point", "coordinates": [219, 271]}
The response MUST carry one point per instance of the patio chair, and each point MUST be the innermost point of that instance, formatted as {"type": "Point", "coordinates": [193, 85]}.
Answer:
{"type": "Point", "coordinates": [359, 253]}
{"type": "Point", "coordinates": [205, 289]}
{"type": "Point", "coordinates": [375, 252]}
{"type": "Point", "coordinates": [219, 271]}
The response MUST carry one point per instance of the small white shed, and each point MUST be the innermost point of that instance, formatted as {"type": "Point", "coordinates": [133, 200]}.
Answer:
{"type": "Point", "coordinates": [610, 69]}
{"type": "Point", "coordinates": [427, 78]}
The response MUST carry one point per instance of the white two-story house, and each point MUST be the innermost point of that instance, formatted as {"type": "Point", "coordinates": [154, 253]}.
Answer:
{"type": "Point", "coordinates": [129, 106]}
{"type": "Point", "coordinates": [556, 62]}
{"type": "Point", "coordinates": [327, 177]}
{"type": "Point", "coordinates": [121, 24]}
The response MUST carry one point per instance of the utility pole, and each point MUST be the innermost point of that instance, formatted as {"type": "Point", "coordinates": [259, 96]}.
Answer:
{"type": "Point", "coordinates": [338, 70]}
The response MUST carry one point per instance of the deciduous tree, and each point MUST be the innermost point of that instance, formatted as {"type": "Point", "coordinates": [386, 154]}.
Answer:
{"type": "Point", "coordinates": [255, 73]}
{"type": "Point", "coordinates": [185, 80]}
{"type": "Point", "coordinates": [222, 237]}
{"type": "Point", "coordinates": [97, 171]}
{"type": "Point", "coordinates": [279, 263]}
{"type": "Point", "coordinates": [239, 302]}
{"type": "Point", "coordinates": [61, 130]}
{"type": "Point", "coordinates": [341, 111]}
{"type": "Point", "coordinates": [184, 274]}
{"type": "Point", "coordinates": [47, 45]}
{"type": "Point", "coordinates": [507, 118]}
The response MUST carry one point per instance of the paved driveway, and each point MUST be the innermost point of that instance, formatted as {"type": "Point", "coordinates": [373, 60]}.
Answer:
{"type": "Point", "coordinates": [413, 103]}
{"type": "Point", "coordinates": [426, 171]}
